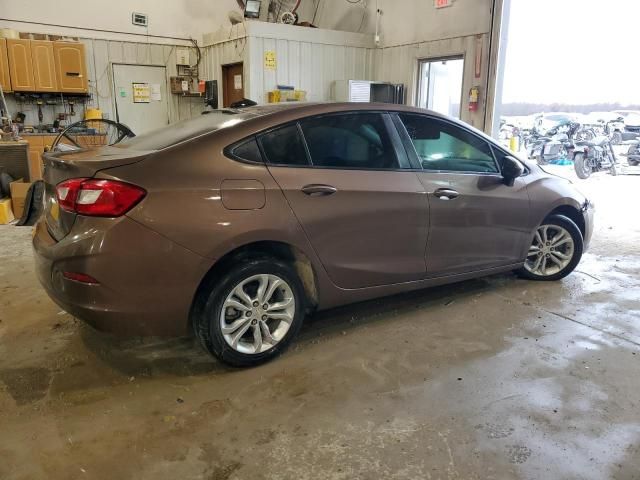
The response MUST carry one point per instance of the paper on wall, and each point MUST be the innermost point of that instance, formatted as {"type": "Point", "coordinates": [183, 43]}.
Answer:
{"type": "Point", "coordinates": [156, 92]}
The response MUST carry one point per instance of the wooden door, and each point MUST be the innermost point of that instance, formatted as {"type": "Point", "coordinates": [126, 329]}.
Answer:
{"type": "Point", "coordinates": [232, 84]}
{"type": "Point", "coordinates": [44, 67]}
{"type": "Point", "coordinates": [5, 78]}
{"type": "Point", "coordinates": [71, 67]}
{"type": "Point", "coordinates": [20, 65]}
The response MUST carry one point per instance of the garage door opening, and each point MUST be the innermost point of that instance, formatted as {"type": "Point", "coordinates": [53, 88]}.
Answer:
{"type": "Point", "coordinates": [440, 85]}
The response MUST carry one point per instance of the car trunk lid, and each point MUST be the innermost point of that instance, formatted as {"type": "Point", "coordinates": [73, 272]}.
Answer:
{"type": "Point", "coordinates": [61, 166]}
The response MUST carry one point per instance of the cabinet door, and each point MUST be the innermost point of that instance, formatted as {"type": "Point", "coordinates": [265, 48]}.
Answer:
{"type": "Point", "coordinates": [20, 65]}
{"type": "Point", "coordinates": [71, 67]}
{"type": "Point", "coordinates": [44, 67]}
{"type": "Point", "coordinates": [5, 79]}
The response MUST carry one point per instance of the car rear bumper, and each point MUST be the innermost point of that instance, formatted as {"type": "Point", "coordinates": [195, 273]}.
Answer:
{"type": "Point", "coordinates": [146, 282]}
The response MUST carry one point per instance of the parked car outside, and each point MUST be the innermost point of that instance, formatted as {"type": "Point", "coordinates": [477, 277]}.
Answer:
{"type": "Point", "coordinates": [237, 224]}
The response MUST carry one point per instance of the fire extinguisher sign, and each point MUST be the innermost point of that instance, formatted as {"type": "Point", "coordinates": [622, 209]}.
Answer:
{"type": "Point", "coordinates": [442, 3]}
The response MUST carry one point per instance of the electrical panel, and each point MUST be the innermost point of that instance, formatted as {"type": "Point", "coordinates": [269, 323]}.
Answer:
{"type": "Point", "coordinates": [182, 56]}
{"type": "Point", "coordinates": [140, 19]}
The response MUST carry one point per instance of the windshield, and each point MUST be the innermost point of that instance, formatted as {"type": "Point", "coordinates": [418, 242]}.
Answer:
{"type": "Point", "coordinates": [184, 130]}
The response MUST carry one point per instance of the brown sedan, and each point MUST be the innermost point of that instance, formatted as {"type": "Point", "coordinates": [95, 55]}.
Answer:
{"type": "Point", "coordinates": [236, 224]}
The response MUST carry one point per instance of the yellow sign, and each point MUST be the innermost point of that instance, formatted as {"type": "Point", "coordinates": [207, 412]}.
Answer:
{"type": "Point", "coordinates": [270, 60]}
{"type": "Point", "coordinates": [141, 93]}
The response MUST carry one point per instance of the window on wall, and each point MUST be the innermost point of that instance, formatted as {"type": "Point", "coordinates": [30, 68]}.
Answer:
{"type": "Point", "coordinates": [442, 146]}
{"type": "Point", "coordinates": [358, 140]}
{"type": "Point", "coordinates": [440, 85]}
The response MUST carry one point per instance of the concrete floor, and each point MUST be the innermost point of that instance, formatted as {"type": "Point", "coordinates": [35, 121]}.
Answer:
{"type": "Point", "coordinates": [497, 378]}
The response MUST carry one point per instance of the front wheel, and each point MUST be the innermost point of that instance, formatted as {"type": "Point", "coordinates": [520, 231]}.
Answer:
{"type": "Point", "coordinates": [251, 314]}
{"type": "Point", "coordinates": [555, 250]}
{"type": "Point", "coordinates": [582, 166]}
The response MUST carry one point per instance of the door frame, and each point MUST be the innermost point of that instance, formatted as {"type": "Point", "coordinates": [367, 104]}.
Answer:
{"type": "Point", "coordinates": [223, 82]}
{"type": "Point", "coordinates": [114, 94]}
{"type": "Point", "coordinates": [440, 58]}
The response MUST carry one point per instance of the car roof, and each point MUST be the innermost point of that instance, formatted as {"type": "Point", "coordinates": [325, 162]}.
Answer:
{"type": "Point", "coordinates": [232, 124]}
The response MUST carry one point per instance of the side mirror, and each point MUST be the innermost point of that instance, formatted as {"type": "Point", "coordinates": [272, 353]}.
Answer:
{"type": "Point", "coordinates": [511, 169]}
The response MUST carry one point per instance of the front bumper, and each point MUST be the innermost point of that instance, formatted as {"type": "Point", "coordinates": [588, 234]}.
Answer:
{"type": "Point", "coordinates": [146, 282]}
{"type": "Point", "coordinates": [588, 212]}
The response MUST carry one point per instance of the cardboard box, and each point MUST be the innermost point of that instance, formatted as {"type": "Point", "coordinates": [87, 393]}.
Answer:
{"type": "Point", "coordinates": [18, 190]}
{"type": "Point", "coordinates": [6, 214]}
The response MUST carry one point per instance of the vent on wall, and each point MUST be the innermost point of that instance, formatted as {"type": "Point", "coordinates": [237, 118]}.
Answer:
{"type": "Point", "coordinates": [141, 19]}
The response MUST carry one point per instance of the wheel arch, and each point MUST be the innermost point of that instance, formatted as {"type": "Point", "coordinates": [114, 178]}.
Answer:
{"type": "Point", "coordinates": [276, 249]}
{"type": "Point", "coordinates": [572, 213]}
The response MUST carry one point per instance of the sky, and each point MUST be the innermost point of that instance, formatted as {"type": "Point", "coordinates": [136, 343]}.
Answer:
{"type": "Point", "coordinates": [573, 51]}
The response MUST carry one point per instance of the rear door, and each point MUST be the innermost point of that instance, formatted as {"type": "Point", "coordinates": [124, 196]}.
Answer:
{"type": "Point", "coordinates": [477, 222]}
{"type": "Point", "coordinates": [347, 179]}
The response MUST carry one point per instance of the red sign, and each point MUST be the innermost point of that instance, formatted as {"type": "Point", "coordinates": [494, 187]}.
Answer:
{"type": "Point", "coordinates": [443, 3]}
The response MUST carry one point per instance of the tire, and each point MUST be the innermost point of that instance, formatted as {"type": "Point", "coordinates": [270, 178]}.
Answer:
{"type": "Point", "coordinates": [581, 166]}
{"type": "Point", "coordinates": [553, 267]}
{"type": "Point", "coordinates": [632, 163]}
{"type": "Point", "coordinates": [208, 310]}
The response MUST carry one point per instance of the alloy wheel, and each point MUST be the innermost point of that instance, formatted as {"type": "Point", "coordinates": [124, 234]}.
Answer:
{"type": "Point", "coordinates": [550, 252]}
{"type": "Point", "coordinates": [257, 313]}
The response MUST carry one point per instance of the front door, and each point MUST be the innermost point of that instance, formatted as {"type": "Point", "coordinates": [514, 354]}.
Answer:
{"type": "Point", "coordinates": [477, 222]}
{"type": "Point", "coordinates": [232, 84]}
{"type": "Point", "coordinates": [141, 97]}
{"type": "Point", "coordinates": [347, 180]}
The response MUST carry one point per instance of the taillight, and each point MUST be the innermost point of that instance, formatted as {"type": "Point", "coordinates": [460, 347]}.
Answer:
{"type": "Point", "coordinates": [98, 198]}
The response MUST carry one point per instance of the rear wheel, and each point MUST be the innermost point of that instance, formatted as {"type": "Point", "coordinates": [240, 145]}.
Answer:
{"type": "Point", "coordinates": [252, 313]}
{"type": "Point", "coordinates": [582, 166]}
{"type": "Point", "coordinates": [555, 250]}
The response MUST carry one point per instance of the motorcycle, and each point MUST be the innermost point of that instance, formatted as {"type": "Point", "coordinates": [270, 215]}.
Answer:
{"type": "Point", "coordinates": [633, 154]}
{"type": "Point", "coordinates": [550, 149]}
{"type": "Point", "coordinates": [595, 155]}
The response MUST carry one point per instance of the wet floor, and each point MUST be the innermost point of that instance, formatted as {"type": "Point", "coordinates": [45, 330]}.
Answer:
{"type": "Point", "coordinates": [497, 378]}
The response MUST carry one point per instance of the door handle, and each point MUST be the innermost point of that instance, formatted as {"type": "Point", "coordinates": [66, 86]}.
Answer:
{"type": "Point", "coordinates": [318, 190]}
{"type": "Point", "coordinates": [445, 194]}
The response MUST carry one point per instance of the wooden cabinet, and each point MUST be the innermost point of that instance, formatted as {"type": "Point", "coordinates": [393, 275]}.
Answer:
{"type": "Point", "coordinates": [36, 149]}
{"type": "Point", "coordinates": [20, 65]}
{"type": "Point", "coordinates": [71, 67]}
{"type": "Point", "coordinates": [44, 66]}
{"type": "Point", "coordinates": [5, 78]}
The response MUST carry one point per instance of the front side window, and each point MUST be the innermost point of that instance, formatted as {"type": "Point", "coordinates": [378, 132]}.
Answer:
{"type": "Point", "coordinates": [442, 146]}
{"type": "Point", "coordinates": [285, 146]}
{"type": "Point", "coordinates": [351, 141]}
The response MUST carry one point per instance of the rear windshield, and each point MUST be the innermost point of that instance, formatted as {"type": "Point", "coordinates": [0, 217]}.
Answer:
{"type": "Point", "coordinates": [184, 130]}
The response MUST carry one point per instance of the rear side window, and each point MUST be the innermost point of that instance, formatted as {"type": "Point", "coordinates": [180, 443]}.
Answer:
{"type": "Point", "coordinates": [247, 150]}
{"type": "Point", "coordinates": [284, 146]}
{"type": "Point", "coordinates": [442, 146]}
{"type": "Point", "coordinates": [358, 140]}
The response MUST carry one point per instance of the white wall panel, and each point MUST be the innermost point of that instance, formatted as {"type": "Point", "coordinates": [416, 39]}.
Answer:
{"type": "Point", "coordinates": [400, 65]}
{"type": "Point", "coordinates": [306, 66]}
